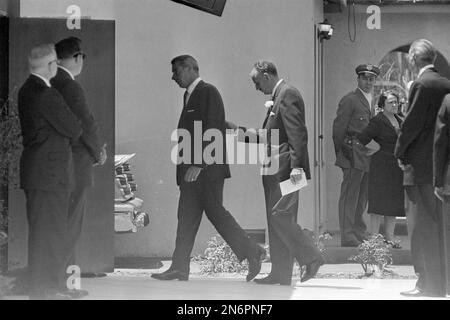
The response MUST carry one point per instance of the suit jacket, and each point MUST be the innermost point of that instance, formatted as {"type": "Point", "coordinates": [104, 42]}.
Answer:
{"type": "Point", "coordinates": [48, 126]}
{"type": "Point", "coordinates": [353, 116]}
{"type": "Point", "coordinates": [288, 117]}
{"type": "Point", "coordinates": [86, 150]}
{"type": "Point", "coordinates": [441, 148]}
{"type": "Point", "coordinates": [205, 106]}
{"type": "Point", "coordinates": [415, 141]}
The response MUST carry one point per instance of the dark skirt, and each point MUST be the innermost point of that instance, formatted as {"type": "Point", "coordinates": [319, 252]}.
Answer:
{"type": "Point", "coordinates": [386, 192]}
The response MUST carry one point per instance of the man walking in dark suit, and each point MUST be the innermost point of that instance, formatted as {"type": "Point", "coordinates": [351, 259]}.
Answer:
{"type": "Point", "coordinates": [353, 115]}
{"type": "Point", "coordinates": [48, 127]}
{"type": "Point", "coordinates": [201, 183]}
{"type": "Point", "coordinates": [285, 118]}
{"type": "Point", "coordinates": [414, 151]}
{"type": "Point", "coordinates": [441, 160]}
{"type": "Point", "coordinates": [87, 151]}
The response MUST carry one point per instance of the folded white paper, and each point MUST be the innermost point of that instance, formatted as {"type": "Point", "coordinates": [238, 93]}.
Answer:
{"type": "Point", "coordinates": [289, 187]}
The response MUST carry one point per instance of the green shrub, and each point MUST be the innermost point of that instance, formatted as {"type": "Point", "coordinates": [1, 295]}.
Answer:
{"type": "Point", "coordinates": [219, 258]}
{"type": "Point", "coordinates": [10, 151]}
{"type": "Point", "coordinates": [374, 256]}
{"type": "Point", "coordinates": [10, 142]}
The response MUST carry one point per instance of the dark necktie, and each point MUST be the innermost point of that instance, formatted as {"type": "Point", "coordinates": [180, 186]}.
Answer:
{"type": "Point", "coordinates": [185, 98]}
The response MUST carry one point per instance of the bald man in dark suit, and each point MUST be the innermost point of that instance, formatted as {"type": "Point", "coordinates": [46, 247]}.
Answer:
{"type": "Point", "coordinates": [46, 173]}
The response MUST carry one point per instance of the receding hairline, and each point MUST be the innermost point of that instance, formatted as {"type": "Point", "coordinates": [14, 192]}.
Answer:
{"type": "Point", "coordinates": [186, 61]}
{"type": "Point", "coordinates": [38, 54]}
{"type": "Point", "coordinates": [424, 50]}
{"type": "Point", "coordinates": [265, 66]}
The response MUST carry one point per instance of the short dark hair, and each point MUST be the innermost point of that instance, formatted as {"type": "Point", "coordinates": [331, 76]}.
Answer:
{"type": "Point", "coordinates": [68, 47]}
{"type": "Point", "coordinates": [384, 96]}
{"type": "Point", "coordinates": [186, 60]}
{"type": "Point", "coordinates": [263, 66]}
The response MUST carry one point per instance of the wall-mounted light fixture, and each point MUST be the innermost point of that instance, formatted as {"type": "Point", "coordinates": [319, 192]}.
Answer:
{"type": "Point", "coordinates": [324, 30]}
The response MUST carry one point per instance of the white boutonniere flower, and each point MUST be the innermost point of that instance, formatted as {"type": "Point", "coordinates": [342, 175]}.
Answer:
{"type": "Point", "coordinates": [272, 114]}
{"type": "Point", "coordinates": [268, 104]}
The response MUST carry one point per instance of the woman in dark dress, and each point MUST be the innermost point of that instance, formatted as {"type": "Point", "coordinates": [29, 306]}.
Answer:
{"type": "Point", "coordinates": [386, 195]}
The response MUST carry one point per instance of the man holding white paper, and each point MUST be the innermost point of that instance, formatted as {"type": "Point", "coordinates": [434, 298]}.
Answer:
{"type": "Point", "coordinates": [285, 119]}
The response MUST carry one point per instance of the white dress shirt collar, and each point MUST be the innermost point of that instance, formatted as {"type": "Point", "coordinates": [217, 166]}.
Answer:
{"type": "Point", "coordinates": [68, 71]}
{"type": "Point", "coordinates": [192, 86]}
{"type": "Point", "coordinates": [368, 96]}
{"type": "Point", "coordinates": [425, 68]}
{"type": "Point", "coordinates": [276, 87]}
{"type": "Point", "coordinates": [47, 82]}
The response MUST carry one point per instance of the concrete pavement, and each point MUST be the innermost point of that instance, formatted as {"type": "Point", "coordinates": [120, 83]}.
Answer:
{"type": "Point", "coordinates": [145, 288]}
{"type": "Point", "coordinates": [334, 282]}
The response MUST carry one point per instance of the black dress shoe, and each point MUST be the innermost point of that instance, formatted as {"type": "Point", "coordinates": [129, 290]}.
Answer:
{"type": "Point", "coordinates": [272, 280]}
{"type": "Point", "coordinates": [311, 269]}
{"type": "Point", "coordinates": [416, 292]}
{"type": "Point", "coordinates": [254, 264]}
{"type": "Point", "coordinates": [171, 275]}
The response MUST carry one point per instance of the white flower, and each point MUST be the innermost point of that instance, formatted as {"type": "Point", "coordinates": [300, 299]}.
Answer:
{"type": "Point", "coordinates": [268, 104]}
{"type": "Point", "coordinates": [272, 114]}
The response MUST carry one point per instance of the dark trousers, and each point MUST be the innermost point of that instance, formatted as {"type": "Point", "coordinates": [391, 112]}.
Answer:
{"type": "Point", "coordinates": [352, 203]}
{"type": "Point", "coordinates": [446, 241]}
{"type": "Point", "coordinates": [207, 196]}
{"type": "Point", "coordinates": [47, 225]}
{"type": "Point", "coordinates": [427, 240]}
{"type": "Point", "coordinates": [77, 209]}
{"type": "Point", "coordinates": [286, 238]}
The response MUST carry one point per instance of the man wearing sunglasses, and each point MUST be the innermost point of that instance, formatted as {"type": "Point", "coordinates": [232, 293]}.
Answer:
{"type": "Point", "coordinates": [87, 150]}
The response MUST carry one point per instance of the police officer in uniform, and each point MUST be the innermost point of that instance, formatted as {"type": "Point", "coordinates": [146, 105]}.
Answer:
{"type": "Point", "coordinates": [353, 115]}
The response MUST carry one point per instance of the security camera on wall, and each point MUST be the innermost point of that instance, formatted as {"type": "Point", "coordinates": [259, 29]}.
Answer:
{"type": "Point", "coordinates": [211, 6]}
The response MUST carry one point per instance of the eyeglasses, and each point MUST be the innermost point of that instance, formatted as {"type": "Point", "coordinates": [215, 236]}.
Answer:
{"type": "Point", "coordinates": [80, 54]}
{"type": "Point", "coordinates": [53, 61]}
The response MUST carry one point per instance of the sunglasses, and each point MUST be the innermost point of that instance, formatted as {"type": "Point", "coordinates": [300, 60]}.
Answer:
{"type": "Point", "coordinates": [80, 54]}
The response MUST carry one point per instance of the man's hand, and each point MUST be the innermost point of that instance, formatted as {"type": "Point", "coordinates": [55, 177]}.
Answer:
{"type": "Point", "coordinates": [404, 167]}
{"type": "Point", "coordinates": [103, 156]}
{"type": "Point", "coordinates": [192, 174]}
{"type": "Point", "coordinates": [231, 125]}
{"type": "Point", "coordinates": [439, 192]}
{"type": "Point", "coordinates": [401, 165]}
{"type": "Point", "coordinates": [296, 175]}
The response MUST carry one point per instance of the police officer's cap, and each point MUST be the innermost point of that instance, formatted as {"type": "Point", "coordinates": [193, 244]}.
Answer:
{"type": "Point", "coordinates": [368, 68]}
